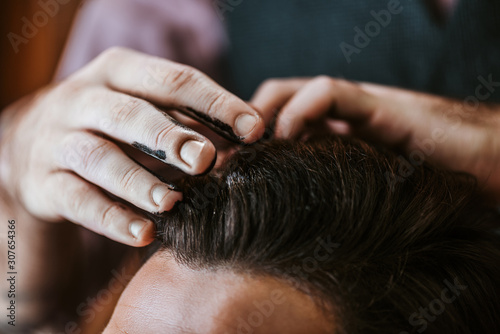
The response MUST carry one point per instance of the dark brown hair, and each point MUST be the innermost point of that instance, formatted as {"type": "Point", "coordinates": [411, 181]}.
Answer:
{"type": "Point", "coordinates": [417, 255]}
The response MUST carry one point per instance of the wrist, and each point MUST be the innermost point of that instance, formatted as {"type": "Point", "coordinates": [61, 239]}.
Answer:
{"type": "Point", "coordinates": [7, 122]}
{"type": "Point", "coordinates": [10, 118]}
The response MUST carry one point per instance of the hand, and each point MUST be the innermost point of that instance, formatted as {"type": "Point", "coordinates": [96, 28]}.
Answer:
{"type": "Point", "coordinates": [59, 148]}
{"type": "Point", "coordinates": [446, 132]}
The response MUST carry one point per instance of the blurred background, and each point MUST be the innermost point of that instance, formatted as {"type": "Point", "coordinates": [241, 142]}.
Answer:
{"type": "Point", "coordinates": [28, 57]}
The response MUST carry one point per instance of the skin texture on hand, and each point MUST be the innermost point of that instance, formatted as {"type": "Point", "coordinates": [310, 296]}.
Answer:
{"type": "Point", "coordinates": [60, 153]}
{"type": "Point", "coordinates": [61, 149]}
{"type": "Point", "coordinates": [63, 164]}
{"type": "Point", "coordinates": [449, 133]}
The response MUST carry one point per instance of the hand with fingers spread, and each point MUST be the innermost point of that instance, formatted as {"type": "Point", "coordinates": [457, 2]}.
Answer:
{"type": "Point", "coordinates": [59, 148]}
{"type": "Point", "coordinates": [453, 134]}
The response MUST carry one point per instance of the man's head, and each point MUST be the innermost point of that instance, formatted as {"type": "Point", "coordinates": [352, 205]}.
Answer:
{"type": "Point", "coordinates": [324, 236]}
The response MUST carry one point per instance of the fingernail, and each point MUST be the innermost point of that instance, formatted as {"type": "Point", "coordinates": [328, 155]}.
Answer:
{"type": "Point", "coordinates": [244, 124]}
{"type": "Point", "coordinates": [136, 227]}
{"type": "Point", "coordinates": [158, 193]}
{"type": "Point", "coordinates": [190, 151]}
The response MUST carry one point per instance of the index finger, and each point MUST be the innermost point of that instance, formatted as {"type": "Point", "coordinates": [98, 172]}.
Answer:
{"type": "Point", "coordinates": [181, 87]}
{"type": "Point", "coordinates": [322, 97]}
{"type": "Point", "coordinates": [273, 94]}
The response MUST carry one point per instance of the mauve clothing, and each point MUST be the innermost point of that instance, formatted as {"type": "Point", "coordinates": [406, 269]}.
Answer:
{"type": "Point", "coordinates": [283, 38]}
{"type": "Point", "coordinates": [186, 31]}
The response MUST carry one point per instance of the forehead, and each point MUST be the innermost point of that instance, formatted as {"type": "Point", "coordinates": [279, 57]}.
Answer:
{"type": "Point", "coordinates": [164, 294]}
{"type": "Point", "coordinates": [166, 297]}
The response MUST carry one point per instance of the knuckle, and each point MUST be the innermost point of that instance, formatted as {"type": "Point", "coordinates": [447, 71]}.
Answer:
{"type": "Point", "coordinates": [324, 80]}
{"type": "Point", "coordinates": [70, 151]}
{"type": "Point", "coordinates": [110, 215]}
{"type": "Point", "coordinates": [111, 54]}
{"type": "Point", "coordinates": [78, 198]}
{"type": "Point", "coordinates": [88, 154]}
{"type": "Point", "coordinates": [180, 77]}
{"type": "Point", "coordinates": [216, 103]}
{"type": "Point", "coordinates": [129, 179]}
{"type": "Point", "coordinates": [70, 90]}
{"type": "Point", "coordinates": [105, 58]}
{"type": "Point", "coordinates": [270, 85]}
{"type": "Point", "coordinates": [161, 135]}
{"type": "Point", "coordinates": [125, 110]}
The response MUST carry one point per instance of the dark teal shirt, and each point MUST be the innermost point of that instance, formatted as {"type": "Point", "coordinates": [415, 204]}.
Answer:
{"type": "Point", "coordinates": [407, 48]}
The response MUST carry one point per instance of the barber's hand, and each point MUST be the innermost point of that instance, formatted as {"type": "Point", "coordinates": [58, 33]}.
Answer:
{"type": "Point", "coordinates": [450, 133]}
{"type": "Point", "coordinates": [59, 148]}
